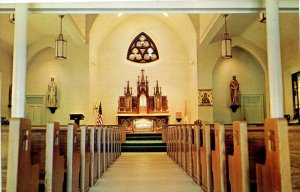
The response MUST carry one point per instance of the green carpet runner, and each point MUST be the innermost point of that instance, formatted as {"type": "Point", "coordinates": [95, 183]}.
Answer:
{"type": "Point", "coordinates": [143, 142]}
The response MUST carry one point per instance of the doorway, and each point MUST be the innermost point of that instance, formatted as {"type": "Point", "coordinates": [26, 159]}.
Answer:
{"type": "Point", "coordinates": [252, 108]}
{"type": "Point", "coordinates": [35, 109]}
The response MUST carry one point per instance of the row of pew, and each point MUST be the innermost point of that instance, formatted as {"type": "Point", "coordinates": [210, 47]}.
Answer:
{"type": "Point", "coordinates": [58, 158]}
{"type": "Point", "coordinates": [238, 157]}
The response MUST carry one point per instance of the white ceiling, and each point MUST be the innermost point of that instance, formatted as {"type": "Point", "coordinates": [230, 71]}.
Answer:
{"type": "Point", "coordinates": [48, 26]}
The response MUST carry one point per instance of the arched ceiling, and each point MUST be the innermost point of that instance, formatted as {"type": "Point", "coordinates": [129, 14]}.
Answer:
{"type": "Point", "coordinates": [77, 27]}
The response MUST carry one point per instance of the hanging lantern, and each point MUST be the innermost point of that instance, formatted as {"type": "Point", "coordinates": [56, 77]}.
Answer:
{"type": "Point", "coordinates": [60, 44]}
{"type": "Point", "coordinates": [226, 43]}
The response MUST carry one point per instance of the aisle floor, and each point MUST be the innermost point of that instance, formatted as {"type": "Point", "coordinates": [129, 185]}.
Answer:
{"type": "Point", "coordinates": [145, 172]}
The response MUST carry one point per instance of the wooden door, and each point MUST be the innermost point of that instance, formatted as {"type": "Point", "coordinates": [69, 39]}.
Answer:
{"type": "Point", "coordinates": [35, 109]}
{"type": "Point", "coordinates": [252, 108]}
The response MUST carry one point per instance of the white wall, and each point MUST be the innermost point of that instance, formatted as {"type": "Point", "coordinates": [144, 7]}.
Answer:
{"type": "Point", "coordinates": [71, 76]}
{"type": "Point", "coordinates": [249, 75]}
{"type": "Point", "coordinates": [175, 70]}
{"type": "Point", "coordinates": [6, 70]}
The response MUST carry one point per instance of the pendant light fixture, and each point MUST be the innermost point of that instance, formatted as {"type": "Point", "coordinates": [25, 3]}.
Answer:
{"type": "Point", "coordinates": [226, 43]}
{"type": "Point", "coordinates": [60, 44]}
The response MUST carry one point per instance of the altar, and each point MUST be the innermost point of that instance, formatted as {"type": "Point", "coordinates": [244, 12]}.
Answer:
{"type": "Point", "coordinates": [143, 123]}
{"type": "Point", "coordinates": [143, 112]}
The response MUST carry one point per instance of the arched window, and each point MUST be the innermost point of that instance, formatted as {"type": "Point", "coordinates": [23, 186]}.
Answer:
{"type": "Point", "coordinates": [142, 49]}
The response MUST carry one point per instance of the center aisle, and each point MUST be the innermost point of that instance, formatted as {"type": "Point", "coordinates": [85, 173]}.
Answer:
{"type": "Point", "coordinates": [145, 172]}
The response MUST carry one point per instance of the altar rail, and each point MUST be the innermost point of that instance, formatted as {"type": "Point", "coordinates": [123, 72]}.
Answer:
{"type": "Point", "coordinates": [238, 157]}
{"type": "Point", "coordinates": [59, 158]}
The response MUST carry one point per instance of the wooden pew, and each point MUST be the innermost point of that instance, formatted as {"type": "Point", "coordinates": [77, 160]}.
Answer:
{"type": "Point", "coordinates": [4, 154]}
{"type": "Point", "coordinates": [54, 160]}
{"type": "Point", "coordinates": [108, 147]}
{"type": "Point", "coordinates": [179, 147]}
{"type": "Point", "coordinates": [222, 148]}
{"type": "Point", "coordinates": [93, 155]}
{"type": "Point", "coordinates": [294, 144]}
{"type": "Point", "coordinates": [104, 144]}
{"type": "Point", "coordinates": [248, 150]}
{"type": "Point", "coordinates": [85, 158]}
{"type": "Point", "coordinates": [189, 155]}
{"type": "Point", "coordinates": [174, 144]}
{"type": "Point", "coordinates": [102, 148]}
{"type": "Point", "coordinates": [170, 141]}
{"type": "Point", "coordinates": [98, 139]}
{"type": "Point", "coordinates": [280, 172]}
{"type": "Point", "coordinates": [112, 143]}
{"type": "Point", "coordinates": [164, 133]}
{"type": "Point", "coordinates": [195, 152]}
{"type": "Point", "coordinates": [22, 176]}
{"type": "Point", "coordinates": [205, 158]}
{"type": "Point", "coordinates": [118, 141]}
{"type": "Point", "coordinates": [170, 136]}
{"type": "Point", "coordinates": [119, 149]}
{"type": "Point", "coordinates": [167, 140]}
{"type": "Point", "coordinates": [45, 150]}
{"type": "Point", "coordinates": [183, 147]}
{"type": "Point", "coordinates": [70, 147]}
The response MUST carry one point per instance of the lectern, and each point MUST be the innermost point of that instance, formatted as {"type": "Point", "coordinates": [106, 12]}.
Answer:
{"type": "Point", "coordinates": [76, 118]}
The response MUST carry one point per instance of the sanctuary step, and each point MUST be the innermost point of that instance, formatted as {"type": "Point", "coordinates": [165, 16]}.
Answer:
{"type": "Point", "coordinates": [144, 142]}
{"type": "Point", "coordinates": [143, 136]}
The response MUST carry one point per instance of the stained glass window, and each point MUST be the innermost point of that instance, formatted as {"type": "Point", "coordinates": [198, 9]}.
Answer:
{"type": "Point", "coordinates": [142, 49]}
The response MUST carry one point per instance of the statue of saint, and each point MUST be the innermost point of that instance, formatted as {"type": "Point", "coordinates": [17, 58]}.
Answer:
{"type": "Point", "coordinates": [128, 103]}
{"type": "Point", "coordinates": [234, 91]}
{"type": "Point", "coordinates": [52, 94]}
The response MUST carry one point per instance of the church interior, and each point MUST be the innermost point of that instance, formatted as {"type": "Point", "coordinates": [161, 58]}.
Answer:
{"type": "Point", "coordinates": [184, 65]}
{"type": "Point", "coordinates": [189, 47]}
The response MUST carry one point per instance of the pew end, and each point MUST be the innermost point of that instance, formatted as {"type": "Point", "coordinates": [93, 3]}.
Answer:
{"type": "Point", "coordinates": [275, 173]}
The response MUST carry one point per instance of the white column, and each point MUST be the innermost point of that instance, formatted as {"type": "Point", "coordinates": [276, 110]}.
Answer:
{"type": "Point", "coordinates": [19, 62]}
{"type": "Point", "coordinates": [274, 59]}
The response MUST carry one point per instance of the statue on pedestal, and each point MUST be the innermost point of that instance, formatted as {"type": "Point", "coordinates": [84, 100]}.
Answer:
{"type": "Point", "coordinates": [52, 96]}
{"type": "Point", "coordinates": [234, 93]}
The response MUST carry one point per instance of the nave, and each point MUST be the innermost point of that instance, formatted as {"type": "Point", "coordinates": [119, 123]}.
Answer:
{"type": "Point", "coordinates": [145, 172]}
{"type": "Point", "coordinates": [237, 157]}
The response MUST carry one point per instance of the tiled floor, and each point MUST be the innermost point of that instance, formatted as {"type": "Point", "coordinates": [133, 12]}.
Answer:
{"type": "Point", "coordinates": [145, 172]}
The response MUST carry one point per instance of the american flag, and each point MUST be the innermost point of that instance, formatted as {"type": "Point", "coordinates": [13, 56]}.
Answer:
{"type": "Point", "coordinates": [99, 117]}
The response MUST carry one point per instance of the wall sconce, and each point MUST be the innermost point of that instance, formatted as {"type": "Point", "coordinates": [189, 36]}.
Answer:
{"type": "Point", "coordinates": [60, 44]}
{"type": "Point", "coordinates": [226, 43]}
{"type": "Point", "coordinates": [178, 116]}
{"type": "Point", "coordinates": [262, 17]}
{"type": "Point", "coordinates": [12, 18]}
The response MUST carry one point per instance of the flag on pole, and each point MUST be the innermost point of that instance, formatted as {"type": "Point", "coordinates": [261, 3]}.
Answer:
{"type": "Point", "coordinates": [99, 117]}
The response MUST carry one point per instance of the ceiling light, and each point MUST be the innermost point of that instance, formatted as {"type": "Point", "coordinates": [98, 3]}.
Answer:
{"type": "Point", "coordinates": [60, 44]}
{"type": "Point", "coordinates": [226, 43]}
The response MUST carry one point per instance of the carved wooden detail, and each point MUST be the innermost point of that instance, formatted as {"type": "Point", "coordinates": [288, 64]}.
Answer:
{"type": "Point", "coordinates": [152, 110]}
{"type": "Point", "coordinates": [142, 103]}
